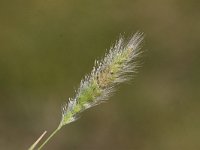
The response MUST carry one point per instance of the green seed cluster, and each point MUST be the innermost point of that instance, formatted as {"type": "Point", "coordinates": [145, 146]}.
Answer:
{"type": "Point", "coordinates": [115, 68]}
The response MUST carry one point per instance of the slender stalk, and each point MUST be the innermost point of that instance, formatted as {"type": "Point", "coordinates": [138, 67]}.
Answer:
{"type": "Point", "coordinates": [51, 135]}
{"type": "Point", "coordinates": [37, 141]}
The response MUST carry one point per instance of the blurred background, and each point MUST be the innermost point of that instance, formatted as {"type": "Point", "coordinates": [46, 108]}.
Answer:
{"type": "Point", "coordinates": [47, 46]}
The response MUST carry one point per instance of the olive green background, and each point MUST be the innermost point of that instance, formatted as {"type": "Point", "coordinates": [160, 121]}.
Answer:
{"type": "Point", "coordinates": [47, 46]}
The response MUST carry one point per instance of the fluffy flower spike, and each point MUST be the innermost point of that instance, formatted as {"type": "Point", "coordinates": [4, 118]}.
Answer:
{"type": "Point", "coordinates": [113, 69]}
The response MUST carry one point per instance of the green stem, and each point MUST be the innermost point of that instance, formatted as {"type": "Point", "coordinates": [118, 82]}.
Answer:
{"type": "Point", "coordinates": [52, 134]}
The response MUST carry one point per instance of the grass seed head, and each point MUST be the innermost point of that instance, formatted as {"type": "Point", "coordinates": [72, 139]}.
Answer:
{"type": "Point", "coordinates": [114, 68]}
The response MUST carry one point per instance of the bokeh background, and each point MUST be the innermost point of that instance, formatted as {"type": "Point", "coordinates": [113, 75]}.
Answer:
{"type": "Point", "coordinates": [47, 46]}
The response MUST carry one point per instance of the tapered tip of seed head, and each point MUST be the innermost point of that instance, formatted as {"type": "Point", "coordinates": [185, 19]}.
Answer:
{"type": "Point", "coordinates": [135, 41]}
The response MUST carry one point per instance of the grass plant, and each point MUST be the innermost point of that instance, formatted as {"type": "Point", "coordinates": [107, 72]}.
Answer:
{"type": "Point", "coordinates": [118, 65]}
